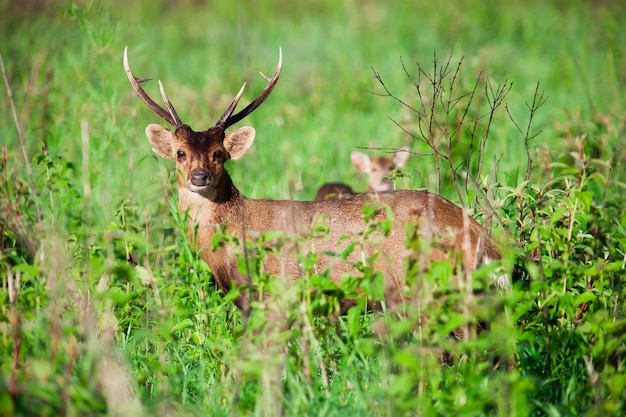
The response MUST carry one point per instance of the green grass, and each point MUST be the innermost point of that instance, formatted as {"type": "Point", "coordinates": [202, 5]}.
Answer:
{"type": "Point", "coordinates": [180, 347]}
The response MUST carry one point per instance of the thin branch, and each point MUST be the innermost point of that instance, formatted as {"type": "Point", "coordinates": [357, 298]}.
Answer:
{"type": "Point", "coordinates": [417, 85]}
{"type": "Point", "coordinates": [389, 94]}
{"type": "Point", "coordinates": [539, 99]}
{"type": "Point", "coordinates": [495, 99]}
{"type": "Point", "coordinates": [460, 122]}
{"type": "Point", "coordinates": [20, 134]}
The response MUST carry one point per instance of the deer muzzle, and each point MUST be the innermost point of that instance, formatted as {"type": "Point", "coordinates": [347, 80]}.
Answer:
{"type": "Point", "coordinates": [199, 178]}
{"type": "Point", "coordinates": [384, 186]}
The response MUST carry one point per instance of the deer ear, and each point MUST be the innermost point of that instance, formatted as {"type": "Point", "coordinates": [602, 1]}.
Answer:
{"type": "Point", "coordinates": [360, 161]}
{"type": "Point", "coordinates": [161, 140]}
{"type": "Point", "coordinates": [402, 156]}
{"type": "Point", "coordinates": [239, 141]}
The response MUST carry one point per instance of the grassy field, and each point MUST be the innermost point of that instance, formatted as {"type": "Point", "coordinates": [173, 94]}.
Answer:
{"type": "Point", "coordinates": [106, 309]}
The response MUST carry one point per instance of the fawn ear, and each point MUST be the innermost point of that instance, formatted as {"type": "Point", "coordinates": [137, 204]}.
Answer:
{"type": "Point", "coordinates": [239, 141]}
{"type": "Point", "coordinates": [360, 161]}
{"type": "Point", "coordinates": [161, 139]}
{"type": "Point", "coordinates": [402, 156]}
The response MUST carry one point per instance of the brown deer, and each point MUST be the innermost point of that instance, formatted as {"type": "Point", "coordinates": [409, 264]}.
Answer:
{"type": "Point", "coordinates": [213, 205]}
{"type": "Point", "coordinates": [379, 171]}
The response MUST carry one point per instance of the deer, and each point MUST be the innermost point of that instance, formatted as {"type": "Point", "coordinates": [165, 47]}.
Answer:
{"type": "Point", "coordinates": [214, 205]}
{"type": "Point", "coordinates": [378, 169]}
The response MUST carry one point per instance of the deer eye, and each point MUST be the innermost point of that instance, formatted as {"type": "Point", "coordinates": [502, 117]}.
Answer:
{"type": "Point", "coordinates": [217, 155]}
{"type": "Point", "coordinates": [180, 155]}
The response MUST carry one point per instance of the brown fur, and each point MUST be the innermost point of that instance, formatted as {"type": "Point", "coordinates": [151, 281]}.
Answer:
{"type": "Point", "coordinates": [333, 191]}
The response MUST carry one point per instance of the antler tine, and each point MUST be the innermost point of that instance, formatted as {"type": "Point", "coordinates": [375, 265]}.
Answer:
{"type": "Point", "coordinates": [169, 106]}
{"type": "Point", "coordinates": [231, 108]}
{"type": "Point", "coordinates": [271, 82]}
{"type": "Point", "coordinates": [171, 117]}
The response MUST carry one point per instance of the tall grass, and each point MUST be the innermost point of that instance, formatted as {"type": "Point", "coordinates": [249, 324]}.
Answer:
{"type": "Point", "coordinates": [107, 309]}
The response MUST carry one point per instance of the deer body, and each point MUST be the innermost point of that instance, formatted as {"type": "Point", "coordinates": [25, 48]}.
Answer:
{"type": "Point", "coordinates": [207, 194]}
{"type": "Point", "coordinates": [212, 202]}
{"type": "Point", "coordinates": [437, 219]}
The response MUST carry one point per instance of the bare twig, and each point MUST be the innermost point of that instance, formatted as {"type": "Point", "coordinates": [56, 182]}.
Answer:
{"type": "Point", "coordinates": [539, 99]}
{"type": "Point", "coordinates": [20, 134]}
{"type": "Point", "coordinates": [460, 122]}
{"type": "Point", "coordinates": [495, 97]}
{"type": "Point", "coordinates": [391, 95]}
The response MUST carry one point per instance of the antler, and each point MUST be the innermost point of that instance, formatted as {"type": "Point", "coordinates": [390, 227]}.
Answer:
{"type": "Point", "coordinates": [228, 120]}
{"type": "Point", "coordinates": [171, 117]}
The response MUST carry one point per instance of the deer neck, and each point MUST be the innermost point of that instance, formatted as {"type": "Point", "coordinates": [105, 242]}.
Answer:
{"type": "Point", "coordinates": [218, 205]}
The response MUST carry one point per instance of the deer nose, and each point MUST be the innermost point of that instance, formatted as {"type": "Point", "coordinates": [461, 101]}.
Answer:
{"type": "Point", "coordinates": [199, 178]}
{"type": "Point", "coordinates": [384, 186]}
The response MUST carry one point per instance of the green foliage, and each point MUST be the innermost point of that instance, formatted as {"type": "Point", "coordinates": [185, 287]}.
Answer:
{"type": "Point", "coordinates": [106, 308]}
{"type": "Point", "coordinates": [572, 232]}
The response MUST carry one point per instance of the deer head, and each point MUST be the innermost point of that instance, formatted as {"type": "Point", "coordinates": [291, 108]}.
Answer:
{"type": "Point", "coordinates": [379, 169]}
{"type": "Point", "coordinates": [200, 156]}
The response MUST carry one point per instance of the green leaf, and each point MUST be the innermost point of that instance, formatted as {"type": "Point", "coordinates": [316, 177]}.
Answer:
{"type": "Point", "coordinates": [584, 298]}
{"type": "Point", "coordinates": [7, 408]}
{"type": "Point", "coordinates": [182, 325]}
{"type": "Point", "coordinates": [374, 286]}
{"type": "Point", "coordinates": [407, 359]}
{"type": "Point", "coordinates": [348, 250]}
{"type": "Point", "coordinates": [353, 321]}
{"type": "Point", "coordinates": [232, 294]}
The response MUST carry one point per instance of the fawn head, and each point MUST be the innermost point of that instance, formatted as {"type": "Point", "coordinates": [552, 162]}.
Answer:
{"type": "Point", "coordinates": [379, 169]}
{"type": "Point", "coordinates": [200, 156]}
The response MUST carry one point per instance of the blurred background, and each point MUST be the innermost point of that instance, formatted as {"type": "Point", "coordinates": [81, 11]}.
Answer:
{"type": "Point", "coordinates": [65, 65]}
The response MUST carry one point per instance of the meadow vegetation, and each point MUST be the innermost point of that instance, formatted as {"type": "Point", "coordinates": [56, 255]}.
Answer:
{"type": "Point", "coordinates": [516, 112]}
